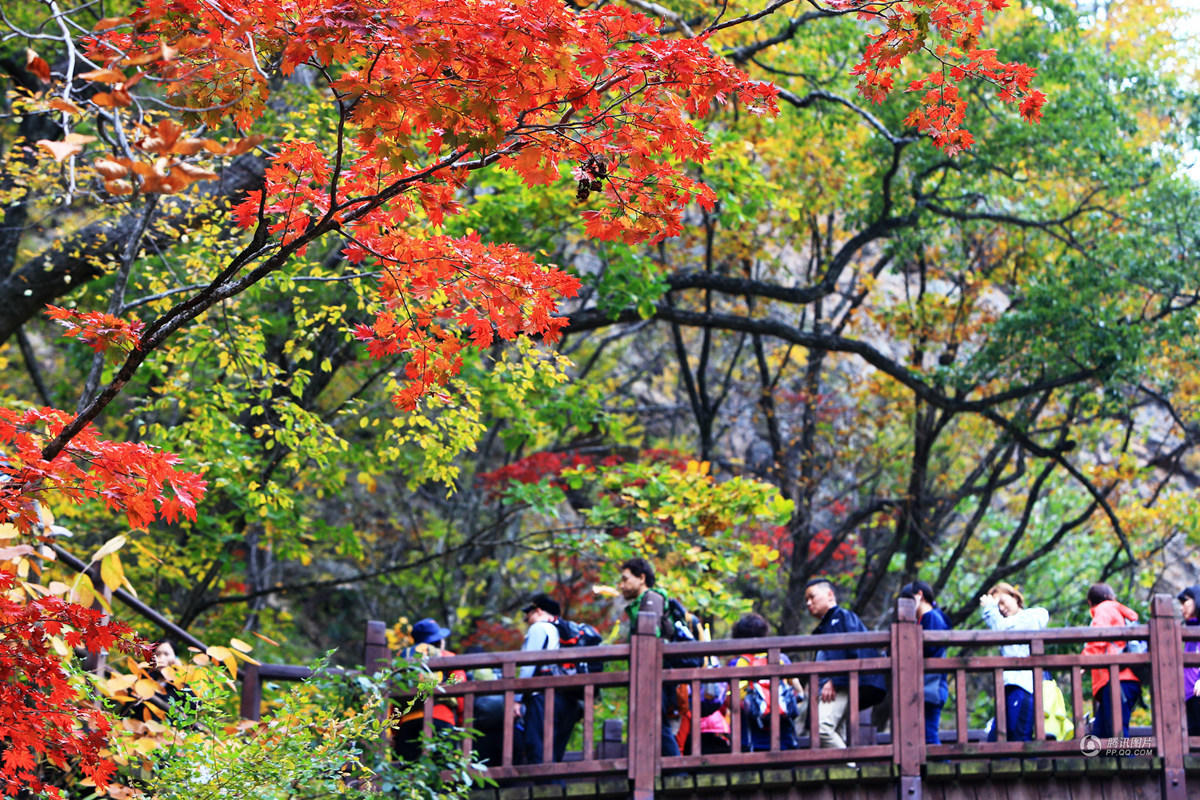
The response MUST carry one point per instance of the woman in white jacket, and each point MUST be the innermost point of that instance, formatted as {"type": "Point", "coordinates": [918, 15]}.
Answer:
{"type": "Point", "coordinates": [1004, 610]}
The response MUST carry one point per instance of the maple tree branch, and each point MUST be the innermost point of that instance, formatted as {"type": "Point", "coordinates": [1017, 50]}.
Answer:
{"type": "Point", "coordinates": [225, 286]}
{"type": "Point", "coordinates": [746, 52]}
{"type": "Point", "coordinates": [770, 9]}
{"type": "Point", "coordinates": [1002, 570]}
{"type": "Point", "coordinates": [1002, 451]}
{"type": "Point", "coordinates": [1059, 455]}
{"type": "Point", "coordinates": [665, 13]}
{"type": "Point", "coordinates": [872, 120]}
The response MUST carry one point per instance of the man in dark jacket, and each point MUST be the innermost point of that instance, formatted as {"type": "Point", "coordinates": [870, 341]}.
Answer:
{"type": "Point", "coordinates": [821, 600]}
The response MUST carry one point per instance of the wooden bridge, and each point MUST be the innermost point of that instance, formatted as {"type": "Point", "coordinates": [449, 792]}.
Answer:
{"type": "Point", "coordinates": [894, 764]}
{"type": "Point", "coordinates": [1162, 762]}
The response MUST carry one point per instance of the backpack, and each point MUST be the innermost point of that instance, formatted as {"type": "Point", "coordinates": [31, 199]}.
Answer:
{"type": "Point", "coordinates": [677, 625]}
{"type": "Point", "coordinates": [756, 702]}
{"type": "Point", "coordinates": [577, 634]}
{"type": "Point", "coordinates": [1137, 647]}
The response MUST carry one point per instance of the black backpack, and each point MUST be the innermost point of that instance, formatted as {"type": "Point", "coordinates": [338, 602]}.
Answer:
{"type": "Point", "coordinates": [676, 625]}
{"type": "Point", "coordinates": [577, 634]}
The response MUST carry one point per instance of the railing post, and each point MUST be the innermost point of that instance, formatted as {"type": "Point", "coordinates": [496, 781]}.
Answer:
{"type": "Point", "coordinates": [376, 656]}
{"type": "Point", "coordinates": [908, 698]}
{"type": "Point", "coordinates": [645, 697]}
{"type": "Point", "coordinates": [375, 647]}
{"type": "Point", "coordinates": [251, 707]}
{"type": "Point", "coordinates": [1167, 694]}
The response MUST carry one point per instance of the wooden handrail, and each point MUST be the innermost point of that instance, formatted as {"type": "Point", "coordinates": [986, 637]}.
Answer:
{"type": "Point", "coordinates": [979, 638]}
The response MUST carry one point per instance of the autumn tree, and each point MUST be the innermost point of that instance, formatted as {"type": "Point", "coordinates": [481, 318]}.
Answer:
{"type": "Point", "coordinates": [138, 133]}
{"type": "Point", "coordinates": [940, 357]}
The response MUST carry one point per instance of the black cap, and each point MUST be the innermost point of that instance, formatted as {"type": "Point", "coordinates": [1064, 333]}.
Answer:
{"type": "Point", "coordinates": [545, 602]}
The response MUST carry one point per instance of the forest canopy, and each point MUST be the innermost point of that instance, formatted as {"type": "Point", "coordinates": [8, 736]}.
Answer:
{"type": "Point", "coordinates": [312, 313]}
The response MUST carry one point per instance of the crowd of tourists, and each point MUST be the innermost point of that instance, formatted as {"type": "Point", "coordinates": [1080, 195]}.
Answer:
{"type": "Point", "coordinates": [1003, 609]}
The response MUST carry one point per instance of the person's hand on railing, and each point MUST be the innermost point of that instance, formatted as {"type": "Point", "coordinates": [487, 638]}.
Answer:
{"type": "Point", "coordinates": [828, 693]}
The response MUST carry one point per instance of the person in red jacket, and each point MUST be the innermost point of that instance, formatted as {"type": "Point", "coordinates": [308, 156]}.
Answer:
{"type": "Point", "coordinates": [429, 641]}
{"type": "Point", "coordinates": [1107, 612]}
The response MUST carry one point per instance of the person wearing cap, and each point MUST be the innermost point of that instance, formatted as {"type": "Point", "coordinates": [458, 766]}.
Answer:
{"type": "Point", "coordinates": [541, 613]}
{"type": "Point", "coordinates": [1191, 675]}
{"type": "Point", "coordinates": [1003, 609]}
{"type": "Point", "coordinates": [429, 641]}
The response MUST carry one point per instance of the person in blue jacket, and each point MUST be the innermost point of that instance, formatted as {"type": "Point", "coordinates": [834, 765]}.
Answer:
{"type": "Point", "coordinates": [937, 688]}
{"type": "Point", "coordinates": [820, 597]}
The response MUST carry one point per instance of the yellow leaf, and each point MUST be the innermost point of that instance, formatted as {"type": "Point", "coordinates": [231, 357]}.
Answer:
{"type": "Point", "coordinates": [244, 657]}
{"type": "Point", "coordinates": [99, 598]}
{"type": "Point", "coordinates": [111, 572]}
{"type": "Point", "coordinates": [83, 592]}
{"type": "Point", "coordinates": [8, 531]}
{"type": "Point", "coordinates": [119, 683]}
{"type": "Point", "coordinates": [145, 688]}
{"type": "Point", "coordinates": [145, 745]}
{"type": "Point", "coordinates": [111, 546]}
{"type": "Point", "coordinates": [238, 644]}
{"type": "Point", "coordinates": [218, 652]}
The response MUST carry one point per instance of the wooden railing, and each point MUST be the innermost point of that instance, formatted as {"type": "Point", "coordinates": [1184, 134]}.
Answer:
{"type": "Point", "coordinates": [637, 672]}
